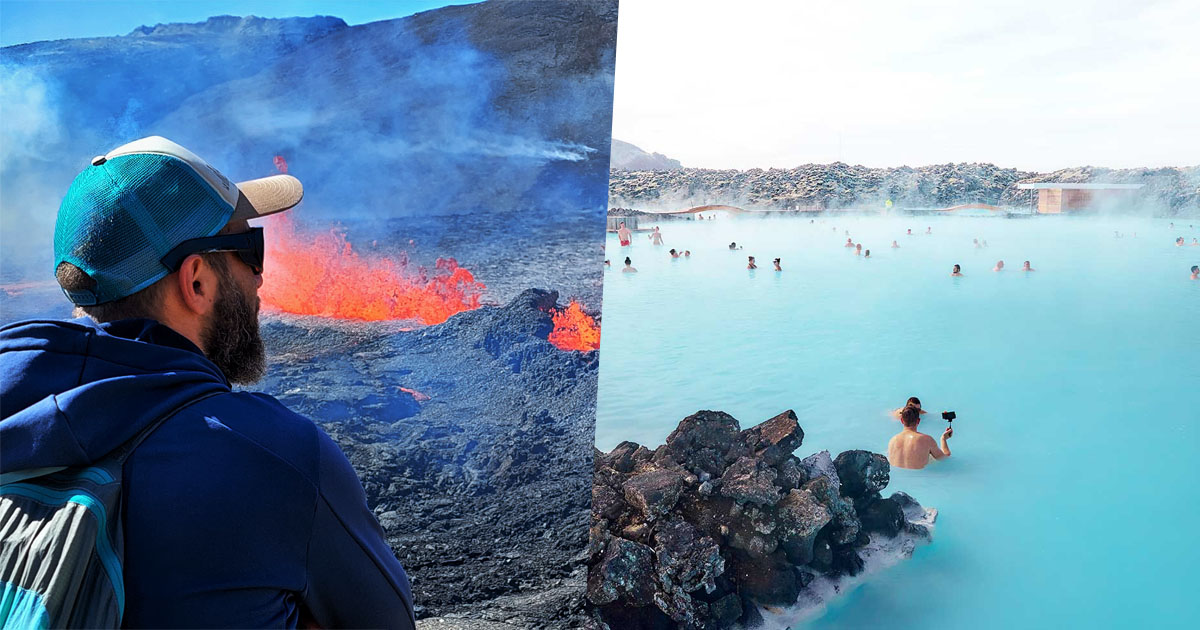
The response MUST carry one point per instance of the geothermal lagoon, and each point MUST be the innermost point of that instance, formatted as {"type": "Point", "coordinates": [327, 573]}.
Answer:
{"type": "Point", "coordinates": [1069, 498]}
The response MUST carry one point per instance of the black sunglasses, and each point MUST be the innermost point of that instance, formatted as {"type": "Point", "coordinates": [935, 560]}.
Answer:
{"type": "Point", "coordinates": [247, 245]}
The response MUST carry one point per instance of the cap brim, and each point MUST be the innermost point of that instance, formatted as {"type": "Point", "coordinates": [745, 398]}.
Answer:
{"type": "Point", "coordinates": [268, 195]}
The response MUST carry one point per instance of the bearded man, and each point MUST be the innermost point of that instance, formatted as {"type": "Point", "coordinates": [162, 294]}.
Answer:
{"type": "Point", "coordinates": [236, 511]}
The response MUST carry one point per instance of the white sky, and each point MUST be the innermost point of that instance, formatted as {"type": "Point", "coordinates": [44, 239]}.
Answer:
{"type": "Point", "coordinates": [1037, 85]}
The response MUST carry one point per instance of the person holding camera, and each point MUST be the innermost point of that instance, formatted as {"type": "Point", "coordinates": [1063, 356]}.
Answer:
{"type": "Point", "coordinates": [911, 448]}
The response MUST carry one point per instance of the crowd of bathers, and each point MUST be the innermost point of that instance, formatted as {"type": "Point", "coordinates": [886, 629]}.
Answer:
{"type": "Point", "coordinates": [656, 238]}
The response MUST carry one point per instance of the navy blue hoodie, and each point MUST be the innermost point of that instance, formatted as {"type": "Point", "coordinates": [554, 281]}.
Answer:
{"type": "Point", "coordinates": [238, 512]}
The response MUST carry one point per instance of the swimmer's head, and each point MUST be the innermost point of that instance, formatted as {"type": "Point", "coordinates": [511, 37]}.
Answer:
{"type": "Point", "coordinates": [913, 402]}
{"type": "Point", "coordinates": [910, 416]}
{"type": "Point", "coordinates": [751, 258]}
{"type": "Point", "coordinates": [672, 251]}
{"type": "Point", "coordinates": [999, 264]}
{"type": "Point", "coordinates": [776, 261]}
{"type": "Point", "coordinates": [1195, 268]}
{"type": "Point", "coordinates": [957, 268]}
{"type": "Point", "coordinates": [627, 261]}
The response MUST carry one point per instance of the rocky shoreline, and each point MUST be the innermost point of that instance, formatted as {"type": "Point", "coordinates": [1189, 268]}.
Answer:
{"type": "Point", "coordinates": [1166, 191]}
{"type": "Point", "coordinates": [719, 525]}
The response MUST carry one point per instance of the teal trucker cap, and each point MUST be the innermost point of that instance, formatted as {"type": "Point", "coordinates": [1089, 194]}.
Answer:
{"type": "Point", "coordinates": [132, 206]}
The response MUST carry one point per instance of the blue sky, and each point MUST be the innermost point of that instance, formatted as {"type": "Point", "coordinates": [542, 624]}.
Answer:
{"type": "Point", "coordinates": [23, 21]}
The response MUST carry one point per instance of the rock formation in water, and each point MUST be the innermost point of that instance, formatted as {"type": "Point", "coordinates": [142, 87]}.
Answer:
{"type": "Point", "coordinates": [1171, 191]}
{"type": "Point", "coordinates": [718, 521]}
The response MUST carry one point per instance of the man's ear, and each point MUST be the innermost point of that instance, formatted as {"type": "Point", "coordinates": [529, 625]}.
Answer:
{"type": "Point", "coordinates": [197, 283]}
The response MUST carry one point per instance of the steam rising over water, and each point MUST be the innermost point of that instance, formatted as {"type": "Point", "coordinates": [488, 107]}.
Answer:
{"type": "Point", "coordinates": [1075, 388]}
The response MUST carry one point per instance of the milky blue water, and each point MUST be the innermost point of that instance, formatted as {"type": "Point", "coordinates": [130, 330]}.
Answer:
{"type": "Point", "coordinates": [1073, 493]}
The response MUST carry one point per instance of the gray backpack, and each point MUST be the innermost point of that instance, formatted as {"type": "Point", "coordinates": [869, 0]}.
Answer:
{"type": "Point", "coordinates": [62, 543]}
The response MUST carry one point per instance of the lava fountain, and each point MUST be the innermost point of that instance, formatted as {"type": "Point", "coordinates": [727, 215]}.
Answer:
{"type": "Point", "coordinates": [574, 329]}
{"type": "Point", "coordinates": [320, 273]}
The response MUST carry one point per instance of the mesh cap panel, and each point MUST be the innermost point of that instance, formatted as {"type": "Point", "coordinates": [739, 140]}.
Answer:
{"type": "Point", "coordinates": [119, 218]}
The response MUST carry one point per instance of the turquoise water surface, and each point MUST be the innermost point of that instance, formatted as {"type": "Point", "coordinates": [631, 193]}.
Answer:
{"type": "Point", "coordinates": [1072, 495]}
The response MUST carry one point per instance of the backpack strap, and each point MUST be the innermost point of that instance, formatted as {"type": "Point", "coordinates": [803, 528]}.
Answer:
{"type": "Point", "coordinates": [125, 450]}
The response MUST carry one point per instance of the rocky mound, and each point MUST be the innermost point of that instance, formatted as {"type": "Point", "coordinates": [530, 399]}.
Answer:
{"type": "Point", "coordinates": [1167, 191]}
{"type": "Point", "coordinates": [627, 157]}
{"type": "Point", "coordinates": [472, 440]}
{"type": "Point", "coordinates": [716, 522]}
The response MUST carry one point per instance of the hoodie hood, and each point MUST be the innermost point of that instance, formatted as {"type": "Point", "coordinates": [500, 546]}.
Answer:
{"type": "Point", "coordinates": [74, 391]}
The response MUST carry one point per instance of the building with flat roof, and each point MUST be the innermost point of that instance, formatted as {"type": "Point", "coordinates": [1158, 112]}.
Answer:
{"type": "Point", "coordinates": [1059, 197]}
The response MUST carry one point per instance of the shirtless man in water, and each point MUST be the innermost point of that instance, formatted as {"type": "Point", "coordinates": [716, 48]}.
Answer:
{"type": "Point", "coordinates": [624, 234]}
{"type": "Point", "coordinates": [911, 448]}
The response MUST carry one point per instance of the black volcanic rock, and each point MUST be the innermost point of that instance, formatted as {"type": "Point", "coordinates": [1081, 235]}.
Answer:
{"type": "Point", "coordinates": [702, 442]}
{"type": "Point", "coordinates": [481, 482]}
{"type": "Point", "coordinates": [862, 473]}
{"type": "Point", "coordinates": [654, 493]}
{"type": "Point", "coordinates": [750, 480]}
{"type": "Point", "coordinates": [623, 572]}
{"type": "Point", "coordinates": [881, 516]}
{"type": "Point", "coordinates": [801, 518]}
{"type": "Point", "coordinates": [735, 521]}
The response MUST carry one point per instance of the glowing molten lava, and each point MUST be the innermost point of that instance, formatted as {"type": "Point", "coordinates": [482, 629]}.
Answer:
{"type": "Point", "coordinates": [321, 274]}
{"type": "Point", "coordinates": [574, 329]}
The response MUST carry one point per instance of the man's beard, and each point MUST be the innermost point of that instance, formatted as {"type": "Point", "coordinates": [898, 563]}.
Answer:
{"type": "Point", "coordinates": [231, 338]}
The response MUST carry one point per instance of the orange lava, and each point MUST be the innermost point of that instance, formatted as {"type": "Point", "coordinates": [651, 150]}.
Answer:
{"type": "Point", "coordinates": [574, 329]}
{"type": "Point", "coordinates": [319, 273]}
{"type": "Point", "coordinates": [417, 396]}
